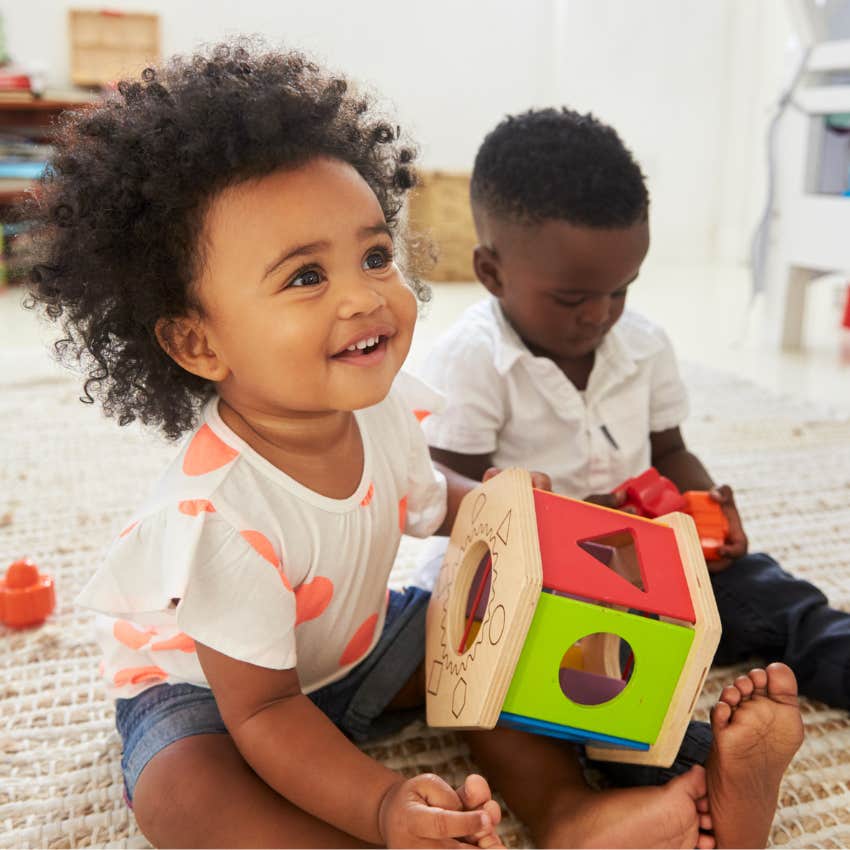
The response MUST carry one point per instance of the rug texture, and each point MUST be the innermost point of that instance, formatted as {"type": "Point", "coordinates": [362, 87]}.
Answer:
{"type": "Point", "coordinates": [69, 478]}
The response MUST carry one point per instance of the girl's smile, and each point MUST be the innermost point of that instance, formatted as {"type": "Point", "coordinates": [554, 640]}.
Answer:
{"type": "Point", "coordinates": [368, 349]}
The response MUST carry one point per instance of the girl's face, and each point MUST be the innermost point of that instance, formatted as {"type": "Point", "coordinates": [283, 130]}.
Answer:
{"type": "Point", "coordinates": [303, 304]}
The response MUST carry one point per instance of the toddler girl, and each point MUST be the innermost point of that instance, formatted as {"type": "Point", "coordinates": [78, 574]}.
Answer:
{"type": "Point", "coordinates": [219, 240]}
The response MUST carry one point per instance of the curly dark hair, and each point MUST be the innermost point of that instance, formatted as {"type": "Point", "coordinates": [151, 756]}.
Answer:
{"type": "Point", "coordinates": [120, 210]}
{"type": "Point", "coordinates": [558, 164]}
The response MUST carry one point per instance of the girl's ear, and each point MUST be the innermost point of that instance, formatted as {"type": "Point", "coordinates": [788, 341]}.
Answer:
{"type": "Point", "coordinates": [486, 263]}
{"type": "Point", "coordinates": [186, 342]}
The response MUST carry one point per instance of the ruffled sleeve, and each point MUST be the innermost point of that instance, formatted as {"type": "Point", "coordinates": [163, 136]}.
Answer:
{"type": "Point", "coordinates": [424, 506]}
{"type": "Point", "coordinates": [229, 585]}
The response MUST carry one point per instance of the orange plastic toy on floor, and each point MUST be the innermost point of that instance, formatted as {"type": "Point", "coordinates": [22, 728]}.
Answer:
{"type": "Point", "coordinates": [26, 595]}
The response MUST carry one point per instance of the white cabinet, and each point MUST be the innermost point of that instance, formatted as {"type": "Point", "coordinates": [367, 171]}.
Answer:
{"type": "Point", "coordinates": [809, 232]}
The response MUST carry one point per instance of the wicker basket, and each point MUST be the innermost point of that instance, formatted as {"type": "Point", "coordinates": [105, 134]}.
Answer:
{"type": "Point", "coordinates": [439, 208]}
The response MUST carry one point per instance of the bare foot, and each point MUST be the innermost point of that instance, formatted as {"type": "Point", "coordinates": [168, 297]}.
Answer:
{"type": "Point", "coordinates": [670, 815]}
{"type": "Point", "coordinates": [475, 794]}
{"type": "Point", "coordinates": [757, 729]}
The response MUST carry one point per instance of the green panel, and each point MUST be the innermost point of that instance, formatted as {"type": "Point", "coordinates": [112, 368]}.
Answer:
{"type": "Point", "coordinates": [660, 650]}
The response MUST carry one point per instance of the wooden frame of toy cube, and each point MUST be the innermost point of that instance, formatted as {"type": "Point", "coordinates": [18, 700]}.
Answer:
{"type": "Point", "coordinates": [547, 590]}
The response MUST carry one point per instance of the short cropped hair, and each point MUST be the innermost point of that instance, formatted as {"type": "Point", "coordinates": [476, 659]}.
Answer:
{"type": "Point", "coordinates": [558, 164]}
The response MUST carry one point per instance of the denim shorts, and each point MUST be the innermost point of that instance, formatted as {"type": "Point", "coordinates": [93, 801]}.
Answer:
{"type": "Point", "coordinates": [163, 714]}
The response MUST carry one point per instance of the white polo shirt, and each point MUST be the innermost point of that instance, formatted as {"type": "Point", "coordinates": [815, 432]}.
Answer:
{"type": "Point", "coordinates": [522, 410]}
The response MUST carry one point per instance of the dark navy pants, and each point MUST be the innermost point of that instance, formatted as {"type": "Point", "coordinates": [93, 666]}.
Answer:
{"type": "Point", "coordinates": [767, 615]}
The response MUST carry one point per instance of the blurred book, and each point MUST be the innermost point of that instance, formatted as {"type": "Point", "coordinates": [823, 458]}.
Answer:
{"type": "Point", "coordinates": [21, 170]}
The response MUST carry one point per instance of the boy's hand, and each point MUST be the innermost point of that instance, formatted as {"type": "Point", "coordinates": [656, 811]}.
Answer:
{"type": "Point", "coordinates": [426, 812]}
{"type": "Point", "coordinates": [614, 500]}
{"type": "Point", "coordinates": [539, 480]}
{"type": "Point", "coordinates": [475, 795]}
{"type": "Point", "coordinates": [736, 543]}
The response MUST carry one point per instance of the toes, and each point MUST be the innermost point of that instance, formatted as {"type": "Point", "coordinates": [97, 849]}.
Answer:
{"type": "Point", "coordinates": [706, 842]}
{"type": "Point", "coordinates": [747, 684]}
{"type": "Point", "coordinates": [731, 696]}
{"type": "Point", "coordinates": [758, 677]}
{"type": "Point", "coordinates": [721, 714]}
{"type": "Point", "coordinates": [781, 683]}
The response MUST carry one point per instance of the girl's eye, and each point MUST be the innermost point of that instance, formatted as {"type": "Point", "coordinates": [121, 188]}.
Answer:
{"type": "Point", "coordinates": [377, 259]}
{"type": "Point", "coordinates": [307, 277]}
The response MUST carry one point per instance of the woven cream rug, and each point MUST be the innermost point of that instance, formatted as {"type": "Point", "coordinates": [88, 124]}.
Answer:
{"type": "Point", "coordinates": [69, 478]}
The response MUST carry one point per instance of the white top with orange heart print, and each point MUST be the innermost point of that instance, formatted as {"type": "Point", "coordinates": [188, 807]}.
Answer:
{"type": "Point", "coordinates": [232, 552]}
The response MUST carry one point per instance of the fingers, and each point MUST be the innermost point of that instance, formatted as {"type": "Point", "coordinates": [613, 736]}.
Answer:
{"type": "Point", "coordinates": [735, 546]}
{"type": "Point", "coordinates": [722, 494]}
{"type": "Point", "coordinates": [719, 565]}
{"type": "Point", "coordinates": [609, 500]}
{"type": "Point", "coordinates": [732, 551]}
{"type": "Point", "coordinates": [435, 791]}
{"type": "Point", "coordinates": [541, 481]}
{"type": "Point", "coordinates": [436, 823]}
{"type": "Point", "coordinates": [438, 816]}
{"type": "Point", "coordinates": [475, 794]}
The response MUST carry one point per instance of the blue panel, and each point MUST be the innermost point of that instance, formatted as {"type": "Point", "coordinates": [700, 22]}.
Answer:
{"type": "Point", "coordinates": [567, 733]}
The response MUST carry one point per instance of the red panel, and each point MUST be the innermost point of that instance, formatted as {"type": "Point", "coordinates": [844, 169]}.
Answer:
{"type": "Point", "coordinates": [562, 522]}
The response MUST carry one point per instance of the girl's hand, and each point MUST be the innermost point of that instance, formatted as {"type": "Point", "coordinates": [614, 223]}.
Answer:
{"type": "Point", "coordinates": [426, 812]}
{"type": "Point", "coordinates": [476, 796]}
{"type": "Point", "coordinates": [736, 543]}
{"type": "Point", "coordinates": [539, 480]}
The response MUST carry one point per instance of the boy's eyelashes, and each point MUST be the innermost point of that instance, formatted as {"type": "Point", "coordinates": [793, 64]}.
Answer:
{"type": "Point", "coordinates": [312, 274]}
{"type": "Point", "coordinates": [578, 300]}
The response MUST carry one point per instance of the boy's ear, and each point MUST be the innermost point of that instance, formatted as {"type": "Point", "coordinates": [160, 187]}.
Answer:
{"type": "Point", "coordinates": [486, 263]}
{"type": "Point", "coordinates": [185, 341]}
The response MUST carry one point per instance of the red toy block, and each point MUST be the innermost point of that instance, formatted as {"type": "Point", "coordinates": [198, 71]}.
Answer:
{"type": "Point", "coordinates": [651, 494]}
{"type": "Point", "coordinates": [712, 525]}
{"type": "Point", "coordinates": [570, 564]}
{"type": "Point", "coordinates": [26, 595]}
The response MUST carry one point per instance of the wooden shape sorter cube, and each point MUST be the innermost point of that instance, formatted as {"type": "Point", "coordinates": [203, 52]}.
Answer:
{"type": "Point", "coordinates": [571, 620]}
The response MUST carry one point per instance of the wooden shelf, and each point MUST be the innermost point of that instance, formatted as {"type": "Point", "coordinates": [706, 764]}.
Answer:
{"type": "Point", "coordinates": [38, 112]}
{"type": "Point", "coordinates": [42, 104]}
{"type": "Point", "coordinates": [14, 191]}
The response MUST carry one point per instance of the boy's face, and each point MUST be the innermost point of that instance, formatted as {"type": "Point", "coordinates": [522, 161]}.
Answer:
{"type": "Point", "coordinates": [562, 286]}
{"type": "Point", "coordinates": [298, 276]}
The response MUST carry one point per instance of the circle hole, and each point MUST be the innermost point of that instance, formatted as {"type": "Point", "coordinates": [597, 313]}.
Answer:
{"type": "Point", "coordinates": [470, 608]}
{"type": "Point", "coordinates": [596, 668]}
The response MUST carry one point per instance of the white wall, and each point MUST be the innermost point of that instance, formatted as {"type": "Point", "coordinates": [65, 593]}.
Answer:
{"type": "Point", "coordinates": [451, 69]}
{"type": "Point", "coordinates": [686, 82]}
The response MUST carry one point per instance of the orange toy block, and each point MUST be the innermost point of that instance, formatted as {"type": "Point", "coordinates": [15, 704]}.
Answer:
{"type": "Point", "coordinates": [26, 595]}
{"type": "Point", "coordinates": [712, 525]}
